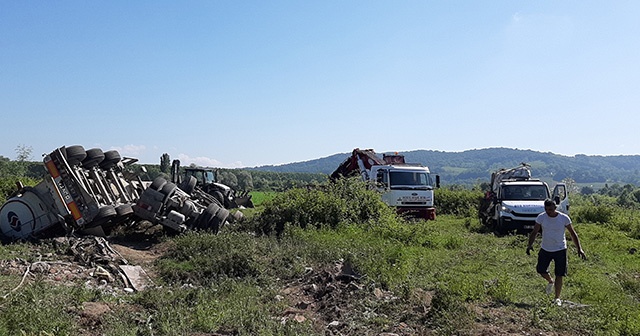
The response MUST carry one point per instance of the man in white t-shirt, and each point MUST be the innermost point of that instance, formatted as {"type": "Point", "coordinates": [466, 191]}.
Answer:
{"type": "Point", "coordinates": [553, 246]}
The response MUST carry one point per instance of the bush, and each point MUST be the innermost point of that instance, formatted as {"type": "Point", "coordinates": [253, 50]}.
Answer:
{"type": "Point", "coordinates": [459, 202]}
{"type": "Point", "coordinates": [599, 214]}
{"type": "Point", "coordinates": [8, 186]}
{"type": "Point", "coordinates": [200, 258]}
{"type": "Point", "coordinates": [345, 201]}
{"type": "Point", "coordinates": [605, 210]}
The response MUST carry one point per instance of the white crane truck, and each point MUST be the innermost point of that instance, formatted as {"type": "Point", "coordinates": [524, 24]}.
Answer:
{"type": "Point", "coordinates": [405, 186]}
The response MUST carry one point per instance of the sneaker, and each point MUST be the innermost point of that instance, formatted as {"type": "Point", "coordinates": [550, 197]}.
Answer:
{"type": "Point", "coordinates": [549, 288]}
{"type": "Point", "coordinates": [558, 302]}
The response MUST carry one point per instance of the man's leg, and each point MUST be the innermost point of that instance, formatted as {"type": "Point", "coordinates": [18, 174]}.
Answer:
{"type": "Point", "coordinates": [547, 277]}
{"type": "Point", "coordinates": [560, 265]}
{"type": "Point", "coordinates": [558, 286]}
{"type": "Point", "coordinates": [544, 259]}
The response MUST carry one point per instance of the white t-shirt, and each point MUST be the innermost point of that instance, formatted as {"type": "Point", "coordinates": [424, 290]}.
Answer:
{"type": "Point", "coordinates": [553, 238]}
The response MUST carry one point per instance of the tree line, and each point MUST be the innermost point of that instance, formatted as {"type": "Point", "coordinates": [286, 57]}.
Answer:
{"type": "Point", "coordinates": [31, 173]}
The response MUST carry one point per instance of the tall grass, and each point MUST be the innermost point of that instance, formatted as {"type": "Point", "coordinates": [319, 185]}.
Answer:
{"type": "Point", "coordinates": [444, 277]}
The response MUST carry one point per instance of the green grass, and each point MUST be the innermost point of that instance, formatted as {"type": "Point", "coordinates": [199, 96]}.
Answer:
{"type": "Point", "coordinates": [259, 197]}
{"type": "Point", "coordinates": [235, 276]}
{"type": "Point", "coordinates": [443, 277]}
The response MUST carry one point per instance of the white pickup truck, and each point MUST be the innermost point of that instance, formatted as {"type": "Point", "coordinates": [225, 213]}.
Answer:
{"type": "Point", "coordinates": [516, 199]}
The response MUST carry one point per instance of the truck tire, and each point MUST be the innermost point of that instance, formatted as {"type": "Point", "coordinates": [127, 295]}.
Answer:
{"type": "Point", "coordinates": [94, 157]}
{"type": "Point", "coordinates": [111, 159]}
{"type": "Point", "coordinates": [500, 227]}
{"type": "Point", "coordinates": [206, 216]}
{"type": "Point", "coordinates": [75, 154]}
{"type": "Point", "coordinates": [124, 210]}
{"type": "Point", "coordinates": [105, 213]}
{"type": "Point", "coordinates": [220, 219]}
{"type": "Point", "coordinates": [168, 190]}
{"type": "Point", "coordinates": [218, 196]}
{"type": "Point", "coordinates": [189, 185]}
{"type": "Point", "coordinates": [214, 225]}
{"type": "Point", "coordinates": [158, 183]}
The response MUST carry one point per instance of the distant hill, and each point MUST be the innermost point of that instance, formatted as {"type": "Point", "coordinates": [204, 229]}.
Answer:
{"type": "Point", "coordinates": [475, 166]}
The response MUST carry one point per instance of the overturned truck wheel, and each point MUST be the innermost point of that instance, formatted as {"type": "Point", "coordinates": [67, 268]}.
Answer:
{"type": "Point", "coordinates": [189, 184]}
{"type": "Point", "coordinates": [75, 154]}
{"type": "Point", "coordinates": [111, 159]}
{"type": "Point", "coordinates": [94, 157]}
{"type": "Point", "coordinates": [158, 183]}
{"type": "Point", "coordinates": [105, 213]}
{"type": "Point", "coordinates": [209, 219]}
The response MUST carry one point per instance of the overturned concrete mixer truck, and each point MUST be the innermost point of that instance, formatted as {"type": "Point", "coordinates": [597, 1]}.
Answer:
{"type": "Point", "coordinates": [91, 191]}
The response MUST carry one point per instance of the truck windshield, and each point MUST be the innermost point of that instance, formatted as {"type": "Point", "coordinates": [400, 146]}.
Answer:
{"type": "Point", "coordinates": [403, 178]}
{"type": "Point", "coordinates": [525, 192]}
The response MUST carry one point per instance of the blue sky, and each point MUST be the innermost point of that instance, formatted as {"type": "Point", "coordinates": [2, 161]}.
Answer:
{"type": "Point", "coordinates": [249, 83]}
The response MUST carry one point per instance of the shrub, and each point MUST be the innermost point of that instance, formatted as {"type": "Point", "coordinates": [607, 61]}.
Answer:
{"type": "Point", "coordinates": [8, 185]}
{"type": "Point", "coordinates": [593, 214]}
{"type": "Point", "coordinates": [459, 202]}
{"type": "Point", "coordinates": [345, 201]}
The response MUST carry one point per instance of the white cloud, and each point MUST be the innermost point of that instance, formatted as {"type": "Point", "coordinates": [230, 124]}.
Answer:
{"type": "Point", "coordinates": [204, 161]}
{"type": "Point", "coordinates": [516, 17]}
{"type": "Point", "coordinates": [134, 150]}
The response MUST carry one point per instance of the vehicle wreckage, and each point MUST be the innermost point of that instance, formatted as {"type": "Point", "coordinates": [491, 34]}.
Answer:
{"type": "Point", "coordinates": [91, 192]}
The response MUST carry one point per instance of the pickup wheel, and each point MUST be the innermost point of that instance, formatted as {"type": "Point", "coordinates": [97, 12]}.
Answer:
{"type": "Point", "coordinates": [111, 159]}
{"type": "Point", "coordinates": [499, 226]}
{"type": "Point", "coordinates": [75, 154]}
{"type": "Point", "coordinates": [94, 157]}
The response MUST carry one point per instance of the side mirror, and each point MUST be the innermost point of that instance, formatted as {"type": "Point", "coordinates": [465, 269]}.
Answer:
{"type": "Point", "coordinates": [437, 181]}
{"type": "Point", "coordinates": [556, 199]}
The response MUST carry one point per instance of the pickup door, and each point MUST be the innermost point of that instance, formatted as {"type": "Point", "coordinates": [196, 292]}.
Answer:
{"type": "Point", "coordinates": [560, 194]}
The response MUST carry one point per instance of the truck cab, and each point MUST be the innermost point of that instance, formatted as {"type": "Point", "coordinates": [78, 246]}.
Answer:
{"type": "Point", "coordinates": [407, 187]}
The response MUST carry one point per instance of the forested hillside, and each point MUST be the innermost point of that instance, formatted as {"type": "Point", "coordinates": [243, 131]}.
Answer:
{"type": "Point", "coordinates": [469, 168]}
{"type": "Point", "coordinates": [473, 166]}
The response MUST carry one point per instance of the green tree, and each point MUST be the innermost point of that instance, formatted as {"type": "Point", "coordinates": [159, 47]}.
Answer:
{"type": "Point", "coordinates": [229, 178]}
{"type": "Point", "coordinates": [245, 180]}
{"type": "Point", "coordinates": [572, 187]}
{"type": "Point", "coordinates": [165, 163]}
{"type": "Point", "coordinates": [587, 190]}
{"type": "Point", "coordinates": [23, 153]}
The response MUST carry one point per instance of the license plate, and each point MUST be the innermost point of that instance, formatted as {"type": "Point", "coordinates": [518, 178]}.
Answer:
{"type": "Point", "coordinates": [528, 227]}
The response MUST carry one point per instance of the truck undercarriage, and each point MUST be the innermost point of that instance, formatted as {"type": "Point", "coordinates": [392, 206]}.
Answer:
{"type": "Point", "coordinates": [91, 192]}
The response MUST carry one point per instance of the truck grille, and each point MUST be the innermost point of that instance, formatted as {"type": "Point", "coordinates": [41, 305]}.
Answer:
{"type": "Point", "coordinates": [528, 215]}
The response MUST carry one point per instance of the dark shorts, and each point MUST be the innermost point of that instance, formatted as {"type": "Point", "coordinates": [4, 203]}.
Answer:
{"type": "Point", "coordinates": [560, 262]}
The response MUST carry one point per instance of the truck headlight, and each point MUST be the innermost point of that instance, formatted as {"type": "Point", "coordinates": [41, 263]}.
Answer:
{"type": "Point", "coordinates": [506, 209]}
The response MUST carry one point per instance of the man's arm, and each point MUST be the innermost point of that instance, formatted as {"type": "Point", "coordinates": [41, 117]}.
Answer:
{"type": "Point", "coordinates": [532, 237]}
{"type": "Point", "coordinates": [576, 241]}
